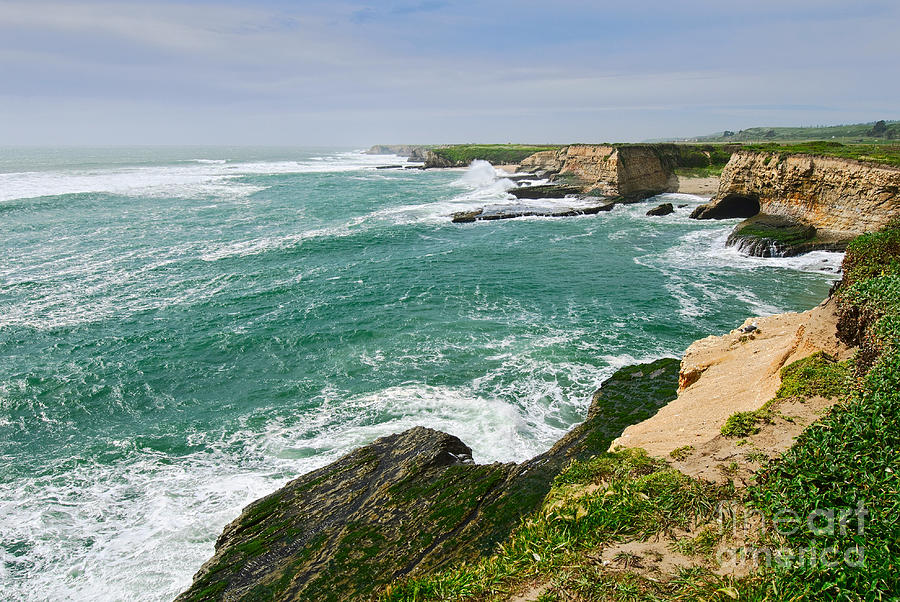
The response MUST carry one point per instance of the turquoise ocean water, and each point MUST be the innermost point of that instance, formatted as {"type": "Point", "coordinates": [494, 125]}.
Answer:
{"type": "Point", "coordinates": [183, 330]}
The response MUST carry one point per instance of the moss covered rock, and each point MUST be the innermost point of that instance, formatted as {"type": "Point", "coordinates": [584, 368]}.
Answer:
{"type": "Point", "coordinates": [778, 236]}
{"type": "Point", "coordinates": [406, 504]}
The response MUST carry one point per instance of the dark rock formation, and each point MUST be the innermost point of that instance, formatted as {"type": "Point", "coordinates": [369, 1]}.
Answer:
{"type": "Point", "coordinates": [405, 504]}
{"type": "Point", "coordinates": [728, 207]}
{"type": "Point", "coordinates": [487, 214]}
{"type": "Point", "coordinates": [779, 236]}
{"type": "Point", "coordinates": [664, 209]}
{"type": "Point", "coordinates": [545, 191]}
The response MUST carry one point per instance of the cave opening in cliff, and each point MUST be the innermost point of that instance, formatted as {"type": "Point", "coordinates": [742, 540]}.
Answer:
{"type": "Point", "coordinates": [737, 205]}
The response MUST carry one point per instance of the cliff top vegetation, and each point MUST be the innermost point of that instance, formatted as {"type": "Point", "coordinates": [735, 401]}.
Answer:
{"type": "Point", "coordinates": [887, 154]}
{"type": "Point", "coordinates": [872, 132]}
{"type": "Point", "coordinates": [497, 154]}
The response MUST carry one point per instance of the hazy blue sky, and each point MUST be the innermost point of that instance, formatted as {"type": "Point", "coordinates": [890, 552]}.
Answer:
{"type": "Point", "coordinates": [349, 72]}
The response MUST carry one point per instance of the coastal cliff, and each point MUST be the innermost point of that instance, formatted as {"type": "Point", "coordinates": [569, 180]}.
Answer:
{"type": "Point", "coordinates": [635, 171]}
{"type": "Point", "coordinates": [800, 202]}
{"type": "Point", "coordinates": [624, 171]}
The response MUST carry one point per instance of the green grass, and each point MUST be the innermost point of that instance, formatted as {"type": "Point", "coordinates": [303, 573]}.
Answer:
{"type": "Point", "coordinates": [682, 452]}
{"type": "Point", "coordinates": [872, 255]}
{"type": "Point", "coordinates": [638, 497]}
{"type": "Point", "coordinates": [497, 154]}
{"type": "Point", "coordinates": [744, 424]}
{"type": "Point", "coordinates": [858, 132]}
{"type": "Point", "coordinates": [887, 154]}
{"type": "Point", "coordinates": [700, 172]}
{"type": "Point", "coordinates": [851, 456]}
{"type": "Point", "coordinates": [816, 375]}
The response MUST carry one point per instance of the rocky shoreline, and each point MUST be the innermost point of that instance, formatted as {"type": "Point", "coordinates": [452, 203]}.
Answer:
{"type": "Point", "coordinates": [406, 504]}
{"type": "Point", "coordinates": [415, 503]}
{"type": "Point", "coordinates": [792, 203]}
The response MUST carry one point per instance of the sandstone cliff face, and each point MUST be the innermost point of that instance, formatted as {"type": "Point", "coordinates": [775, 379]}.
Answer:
{"type": "Point", "coordinates": [550, 161]}
{"type": "Point", "coordinates": [629, 171]}
{"type": "Point", "coordinates": [841, 198]}
{"type": "Point", "coordinates": [405, 504]}
{"type": "Point", "coordinates": [737, 372]}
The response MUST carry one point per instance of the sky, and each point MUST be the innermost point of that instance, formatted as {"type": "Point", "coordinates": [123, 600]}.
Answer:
{"type": "Point", "coordinates": [356, 73]}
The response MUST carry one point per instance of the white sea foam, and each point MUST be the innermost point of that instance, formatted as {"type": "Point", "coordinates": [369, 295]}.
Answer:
{"type": "Point", "coordinates": [199, 178]}
{"type": "Point", "coordinates": [692, 268]}
{"type": "Point", "coordinates": [136, 529]}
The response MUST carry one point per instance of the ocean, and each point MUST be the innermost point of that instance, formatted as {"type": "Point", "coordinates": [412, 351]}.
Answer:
{"type": "Point", "coordinates": [183, 330]}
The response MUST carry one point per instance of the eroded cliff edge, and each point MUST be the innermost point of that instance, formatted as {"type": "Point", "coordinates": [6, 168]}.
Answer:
{"type": "Point", "coordinates": [798, 203]}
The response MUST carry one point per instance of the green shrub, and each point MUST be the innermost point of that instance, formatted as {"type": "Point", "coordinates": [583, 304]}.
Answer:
{"type": "Point", "coordinates": [872, 255]}
{"type": "Point", "coordinates": [819, 374]}
{"type": "Point", "coordinates": [742, 424]}
{"type": "Point", "coordinates": [682, 452]}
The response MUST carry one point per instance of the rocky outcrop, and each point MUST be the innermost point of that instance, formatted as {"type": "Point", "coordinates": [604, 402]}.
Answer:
{"type": "Point", "coordinates": [405, 504]}
{"type": "Point", "coordinates": [544, 162]}
{"type": "Point", "coordinates": [663, 209]}
{"type": "Point", "coordinates": [840, 198]}
{"type": "Point", "coordinates": [736, 372]}
{"type": "Point", "coordinates": [777, 236]}
{"type": "Point", "coordinates": [433, 159]}
{"type": "Point", "coordinates": [544, 191]}
{"type": "Point", "coordinates": [415, 152]}
{"type": "Point", "coordinates": [487, 214]}
{"type": "Point", "coordinates": [632, 171]}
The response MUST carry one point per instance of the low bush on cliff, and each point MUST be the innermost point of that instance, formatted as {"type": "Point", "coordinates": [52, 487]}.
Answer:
{"type": "Point", "coordinates": [818, 374]}
{"type": "Point", "coordinates": [872, 255]}
{"type": "Point", "coordinates": [849, 461]}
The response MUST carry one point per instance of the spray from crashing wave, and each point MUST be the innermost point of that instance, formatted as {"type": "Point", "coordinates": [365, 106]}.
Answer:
{"type": "Point", "coordinates": [482, 178]}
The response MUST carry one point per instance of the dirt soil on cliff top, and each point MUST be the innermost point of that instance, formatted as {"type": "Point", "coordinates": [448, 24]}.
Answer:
{"type": "Point", "coordinates": [738, 372]}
